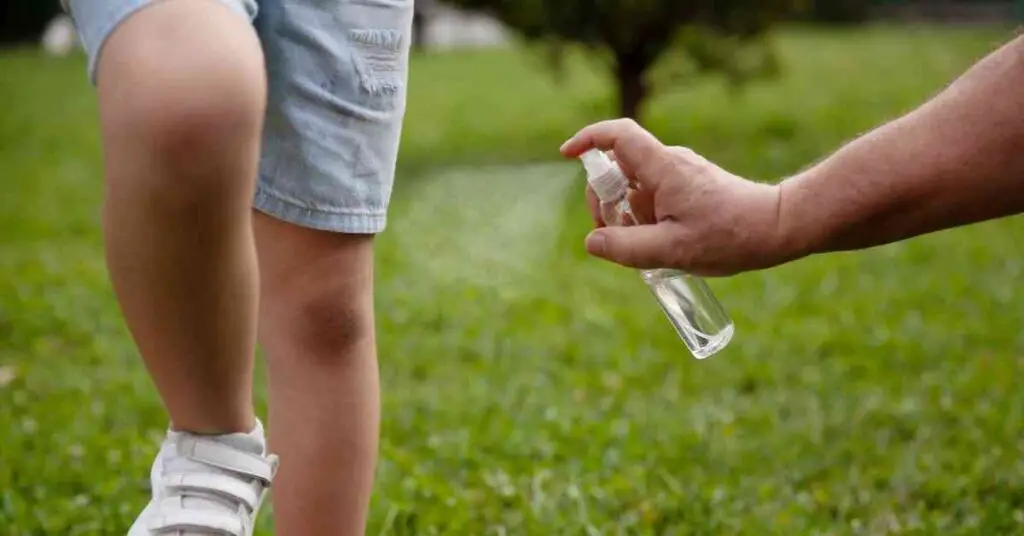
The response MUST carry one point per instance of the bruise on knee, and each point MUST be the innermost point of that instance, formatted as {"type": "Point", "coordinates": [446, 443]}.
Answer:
{"type": "Point", "coordinates": [328, 327]}
{"type": "Point", "coordinates": [316, 292]}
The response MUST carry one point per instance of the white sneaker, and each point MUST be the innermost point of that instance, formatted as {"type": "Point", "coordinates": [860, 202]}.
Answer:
{"type": "Point", "coordinates": [207, 485]}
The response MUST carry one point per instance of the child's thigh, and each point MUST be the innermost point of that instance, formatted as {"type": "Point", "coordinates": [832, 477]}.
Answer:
{"type": "Point", "coordinates": [337, 74]}
{"type": "Point", "coordinates": [96, 20]}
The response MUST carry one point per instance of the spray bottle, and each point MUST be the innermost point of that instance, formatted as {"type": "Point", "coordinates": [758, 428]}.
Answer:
{"type": "Point", "coordinates": [689, 304]}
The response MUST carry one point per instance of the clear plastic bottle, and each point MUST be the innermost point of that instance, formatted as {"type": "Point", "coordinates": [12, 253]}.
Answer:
{"type": "Point", "coordinates": [689, 304]}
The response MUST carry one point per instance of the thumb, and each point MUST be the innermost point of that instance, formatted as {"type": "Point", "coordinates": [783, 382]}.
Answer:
{"type": "Point", "coordinates": [641, 246]}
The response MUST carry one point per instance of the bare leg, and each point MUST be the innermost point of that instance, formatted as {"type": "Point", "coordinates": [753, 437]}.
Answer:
{"type": "Point", "coordinates": [317, 327]}
{"type": "Point", "coordinates": [182, 94]}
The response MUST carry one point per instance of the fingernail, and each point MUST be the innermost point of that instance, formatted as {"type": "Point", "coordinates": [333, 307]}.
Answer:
{"type": "Point", "coordinates": [596, 243]}
{"type": "Point", "coordinates": [564, 145]}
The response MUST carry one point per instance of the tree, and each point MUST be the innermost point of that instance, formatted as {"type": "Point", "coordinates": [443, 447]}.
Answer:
{"type": "Point", "coordinates": [840, 11]}
{"type": "Point", "coordinates": [713, 35]}
{"type": "Point", "coordinates": [419, 26]}
{"type": "Point", "coordinates": [23, 21]}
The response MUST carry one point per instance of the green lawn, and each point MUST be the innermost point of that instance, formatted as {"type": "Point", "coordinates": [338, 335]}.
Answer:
{"type": "Point", "coordinates": [529, 389]}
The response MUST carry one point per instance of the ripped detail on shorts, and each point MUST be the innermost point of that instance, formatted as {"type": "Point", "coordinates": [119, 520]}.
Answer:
{"type": "Point", "coordinates": [378, 56]}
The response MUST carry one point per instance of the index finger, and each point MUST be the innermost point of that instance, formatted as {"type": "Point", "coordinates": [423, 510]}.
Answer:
{"type": "Point", "coordinates": [633, 145]}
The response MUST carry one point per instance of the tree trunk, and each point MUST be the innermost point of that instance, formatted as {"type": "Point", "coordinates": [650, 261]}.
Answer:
{"type": "Point", "coordinates": [419, 37]}
{"type": "Point", "coordinates": [629, 77]}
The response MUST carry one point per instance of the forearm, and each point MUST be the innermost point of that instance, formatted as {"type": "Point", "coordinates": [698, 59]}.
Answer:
{"type": "Point", "coordinates": [958, 159]}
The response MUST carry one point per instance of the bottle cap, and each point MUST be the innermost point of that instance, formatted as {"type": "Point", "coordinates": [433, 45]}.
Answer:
{"type": "Point", "coordinates": [604, 176]}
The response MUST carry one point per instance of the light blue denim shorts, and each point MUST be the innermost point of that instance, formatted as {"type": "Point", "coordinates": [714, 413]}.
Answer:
{"type": "Point", "coordinates": [337, 72]}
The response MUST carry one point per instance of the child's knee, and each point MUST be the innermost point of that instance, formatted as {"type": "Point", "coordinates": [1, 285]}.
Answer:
{"type": "Point", "coordinates": [332, 324]}
{"type": "Point", "coordinates": [316, 292]}
{"type": "Point", "coordinates": [188, 101]}
{"type": "Point", "coordinates": [326, 328]}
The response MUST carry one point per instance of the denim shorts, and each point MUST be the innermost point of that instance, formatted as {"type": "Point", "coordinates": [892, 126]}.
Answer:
{"type": "Point", "coordinates": [337, 72]}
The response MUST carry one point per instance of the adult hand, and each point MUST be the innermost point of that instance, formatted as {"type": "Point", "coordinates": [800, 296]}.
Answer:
{"type": "Point", "coordinates": [693, 215]}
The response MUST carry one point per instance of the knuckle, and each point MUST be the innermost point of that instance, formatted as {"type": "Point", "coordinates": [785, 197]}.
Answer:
{"type": "Point", "coordinates": [619, 128]}
{"type": "Point", "coordinates": [625, 127]}
{"type": "Point", "coordinates": [687, 154]}
{"type": "Point", "coordinates": [665, 159]}
{"type": "Point", "coordinates": [689, 162]}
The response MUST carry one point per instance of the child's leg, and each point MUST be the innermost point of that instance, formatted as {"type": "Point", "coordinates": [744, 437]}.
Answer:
{"type": "Point", "coordinates": [182, 96]}
{"type": "Point", "coordinates": [317, 329]}
{"type": "Point", "coordinates": [338, 71]}
{"type": "Point", "coordinates": [181, 91]}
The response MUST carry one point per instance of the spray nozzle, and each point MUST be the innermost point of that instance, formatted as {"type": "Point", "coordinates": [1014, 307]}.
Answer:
{"type": "Point", "coordinates": [596, 162]}
{"type": "Point", "coordinates": [604, 176]}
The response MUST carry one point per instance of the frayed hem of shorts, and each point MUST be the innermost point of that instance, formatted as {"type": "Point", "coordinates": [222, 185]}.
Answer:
{"type": "Point", "coordinates": [338, 222]}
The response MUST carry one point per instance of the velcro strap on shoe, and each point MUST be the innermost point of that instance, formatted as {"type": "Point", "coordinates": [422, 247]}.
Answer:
{"type": "Point", "coordinates": [222, 456]}
{"type": "Point", "coordinates": [222, 485]}
{"type": "Point", "coordinates": [223, 523]}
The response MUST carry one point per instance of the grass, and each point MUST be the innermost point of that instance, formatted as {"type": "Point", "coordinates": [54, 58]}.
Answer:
{"type": "Point", "coordinates": [529, 389]}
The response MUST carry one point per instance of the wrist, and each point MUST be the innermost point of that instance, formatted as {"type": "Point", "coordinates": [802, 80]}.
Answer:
{"type": "Point", "coordinates": [795, 237]}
